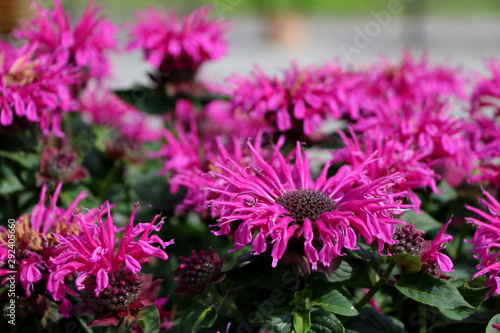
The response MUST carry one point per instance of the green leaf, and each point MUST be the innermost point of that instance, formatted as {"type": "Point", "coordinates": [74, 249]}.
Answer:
{"type": "Point", "coordinates": [343, 273]}
{"type": "Point", "coordinates": [9, 183]}
{"type": "Point", "coordinates": [27, 160]}
{"type": "Point", "coordinates": [302, 321]}
{"type": "Point", "coordinates": [422, 220]}
{"type": "Point", "coordinates": [278, 323]}
{"type": "Point", "coordinates": [198, 315]}
{"type": "Point", "coordinates": [370, 321]}
{"type": "Point", "coordinates": [473, 296]}
{"type": "Point", "coordinates": [149, 319]}
{"type": "Point", "coordinates": [446, 193]}
{"type": "Point", "coordinates": [407, 262]}
{"type": "Point", "coordinates": [325, 322]}
{"type": "Point", "coordinates": [335, 302]}
{"type": "Point", "coordinates": [429, 290]}
{"type": "Point", "coordinates": [494, 320]}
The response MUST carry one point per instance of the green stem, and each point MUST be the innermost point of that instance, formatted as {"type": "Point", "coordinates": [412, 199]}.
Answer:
{"type": "Point", "coordinates": [110, 177]}
{"type": "Point", "coordinates": [225, 303]}
{"type": "Point", "coordinates": [383, 279]}
{"type": "Point", "coordinates": [368, 296]}
{"type": "Point", "coordinates": [422, 313]}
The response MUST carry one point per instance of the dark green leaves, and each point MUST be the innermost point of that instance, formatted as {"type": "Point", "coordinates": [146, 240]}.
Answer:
{"type": "Point", "coordinates": [198, 315]}
{"type": "Point", "coordinates": [426, 289]}
{"type": "Point", "coordinates": [149, 319]}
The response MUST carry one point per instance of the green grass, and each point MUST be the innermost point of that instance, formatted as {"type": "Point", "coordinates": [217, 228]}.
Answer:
{"type": "Point", "coordinates": [322, 7]}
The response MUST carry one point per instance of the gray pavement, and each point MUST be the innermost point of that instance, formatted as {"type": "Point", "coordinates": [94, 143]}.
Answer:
{"type": "Point", "coordinates": [465, 40]}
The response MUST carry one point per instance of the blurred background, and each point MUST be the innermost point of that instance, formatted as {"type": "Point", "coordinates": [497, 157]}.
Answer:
{"type": "Point", "coordinates": [272, 33]}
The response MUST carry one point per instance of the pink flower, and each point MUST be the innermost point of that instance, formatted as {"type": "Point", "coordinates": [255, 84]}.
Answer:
{"type": "Point", "coordinates": [35, 88]}
{"type": "Point", "coordinates": [85, 46]}
{"type": "Point", "coordinates": [34, 245]}
{"type": "Point", "coordinates": [443, 141]}
{"type": "Point", "coordinates": [301, 101]}
{"type": "Point", "coordinates": [178, 46]}
{"type": "Point", "coordinates": [395, 155]}
{"type": "Point", "coordinates": [487, 92]}
{"type": "Point", "coordinates": [413, 80]}
{"type": "Point", "coordinates": [433, 261]}
{"type": "Point", "coordinates": [279, 205]}
{"type": "Point", "coordinates": [486, 241]}
{"type": "Point", "coordinates": [113, 276]}
{"type": "Point", "coordinates": [107, 109]}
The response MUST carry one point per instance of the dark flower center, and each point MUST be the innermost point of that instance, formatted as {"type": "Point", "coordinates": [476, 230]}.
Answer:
{"type": "Point", "coordinates": [120, 294]}
{"type": "Point", "coordinates": [304, 204]}
{"type": "Point", "coordinates": [409, 241]}
{"type": "Point", "coordinates": [197, 272]}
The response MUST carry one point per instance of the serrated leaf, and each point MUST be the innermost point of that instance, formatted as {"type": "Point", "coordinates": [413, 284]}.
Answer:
{"type": "Point", "coordinates": [198, 315]}
{"type": "Point", "coordinates": [278, 323]}
{"type": "Point", "coordinates": [325, 322]}
{"type": "Point", "coordinates": [446, 193]}
{"type": "Point", "coordinates": [149, 319]}
{"type": "Point", "coordinates": [422, 220]}
{"type": "Point", "coordinates": [473, 296]}
{"type": "Point", "coordinates": [335, 302]}
{"type": "Point", "coordinates": [370, 321]}
{"type": "Point", "coordinates": [494, 320]}
{"type": "Point", "coordinates": [407, 262]}
{"type": "Point", "coordinates": [9, 183]}
{"type": "Point", "coordinates": [429, 290]}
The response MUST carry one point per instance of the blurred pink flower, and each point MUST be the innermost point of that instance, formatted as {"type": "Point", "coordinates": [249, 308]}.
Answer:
{"type": "Point", "coordinates": [35, 87]}
{"type": "Point", "coordinates": [300, 101]}
{"type": "Point", "coordinates": [394, 155]}
{"type": "Point", "coordinates": [35, 245]}
{"type": "Point", "coordinates": [444, 140]}
{"type": "Point", "coordinates": [107, 109]}
{"type": "Point", "coordinates": [413, 80]}
{"type": "Point", "coordinates": [113, 276]}
{"type": "Point", "coordinates": [486, 241]}
{"type": "Point", "coordinates": [279, 205]}
{"type": "Point", "coordinates": [85, 46]}
{"type": "Point", "coordinates": [178, 46]}
{"type": "Point", "coordinates": [487, 91]}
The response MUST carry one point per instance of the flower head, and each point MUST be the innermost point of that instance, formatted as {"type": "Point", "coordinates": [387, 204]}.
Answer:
{"type": "Point", "coordinates": [85, 46]}
{"type": "Point", "coordinates": [280, 205]}
{"type": "Point", "coordinates": [35, 88]}
{"type": "Point", "coordinates": [300, 101]}
{"type": "Point", "coordinates": [486, 241]}
{"type": "Point", "coordinates": [178, 46]}
{"type": "Point", "coordinates": [35, 244]}
{"type": "Point", "coordinates": [198, 271]}
{"type": "Point", "coordinates": [60, 164]}
{"type": "Point", "coordinates": [395, 155]}
{"type": "Point", "coordinates": [113, 275]}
